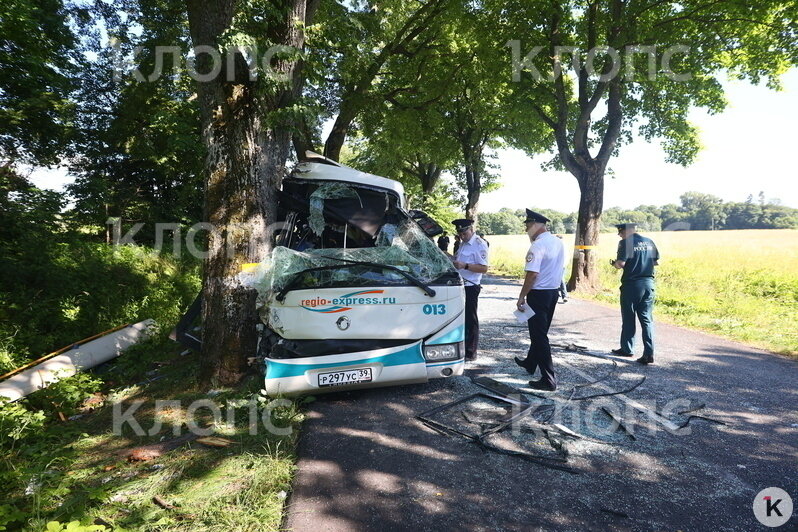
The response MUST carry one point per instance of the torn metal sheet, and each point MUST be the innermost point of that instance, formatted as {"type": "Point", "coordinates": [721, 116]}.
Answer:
{"type": "Point", "coordinates": [611, 393]}
{"type": "Point", "coordinates": [84, 356]}
{"type": "Point", "coordinates": [497, 387]}
{"type": "Point", "coordinates": [620, 423]}
{"type": "Point", "coordinates": [562, 429]}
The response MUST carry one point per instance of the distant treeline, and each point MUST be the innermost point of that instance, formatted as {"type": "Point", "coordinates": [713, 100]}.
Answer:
{"type": "Point", "coordinates": [697, 212]}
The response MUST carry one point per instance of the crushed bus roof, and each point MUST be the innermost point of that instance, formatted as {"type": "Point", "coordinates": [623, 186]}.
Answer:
{"type": "Point", "coordinates": [328, 172]}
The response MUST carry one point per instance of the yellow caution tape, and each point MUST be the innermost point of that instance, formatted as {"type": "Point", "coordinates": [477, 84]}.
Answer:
{"type": "Point", "coordinates": [248, 267]}
{"type": "Point", "coordinates": [585, 247]}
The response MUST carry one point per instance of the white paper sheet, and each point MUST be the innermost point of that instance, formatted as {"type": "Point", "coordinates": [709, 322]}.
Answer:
{"type": "Point", "coordinates": [523, 315]}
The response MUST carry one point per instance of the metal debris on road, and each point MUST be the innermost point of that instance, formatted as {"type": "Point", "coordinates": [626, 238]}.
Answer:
{"type": "Point", "coordinates": [608, 394]}
{"type": "Point", "coordinates": [618, 422]}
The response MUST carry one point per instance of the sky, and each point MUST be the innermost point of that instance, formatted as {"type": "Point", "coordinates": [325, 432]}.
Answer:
{"type": "Point", "coordinates": [750, 147]}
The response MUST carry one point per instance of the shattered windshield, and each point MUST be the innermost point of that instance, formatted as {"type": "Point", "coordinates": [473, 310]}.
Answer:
{"type": "Point", "coordinates": [364, 226]}
{"type": "Point", "coordinates": [405, 247]}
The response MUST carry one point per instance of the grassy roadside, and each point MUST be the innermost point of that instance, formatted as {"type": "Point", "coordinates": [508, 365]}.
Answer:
{"type": "Point", "coordinates": [741, 285]}
{"type": "Point", "coordinates": [78, 470]}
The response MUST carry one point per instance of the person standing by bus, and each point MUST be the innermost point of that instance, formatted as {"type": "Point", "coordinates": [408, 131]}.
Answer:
{"type": "Point", "coordinates": [443, 242]}
{"type": "Point", "coordinates": [544, 265]}
{"type": "Point", "coordinates": [471, 261]}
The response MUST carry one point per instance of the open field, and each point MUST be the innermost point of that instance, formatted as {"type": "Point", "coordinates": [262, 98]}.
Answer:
{"type": "Point", "coordinates": [738, 284]}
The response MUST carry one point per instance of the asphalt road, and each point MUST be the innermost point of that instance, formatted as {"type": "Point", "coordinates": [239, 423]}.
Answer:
{"type": "Point", "coordinates": [366, 463]}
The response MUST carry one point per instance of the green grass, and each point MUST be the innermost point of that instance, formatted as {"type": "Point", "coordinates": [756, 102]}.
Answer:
{"type": "Point", "coordinates": [55, 293]}
{"type": "Point", "coordinates": [739, 284]}
{"type": "Point", "coordinates": [75, 470]}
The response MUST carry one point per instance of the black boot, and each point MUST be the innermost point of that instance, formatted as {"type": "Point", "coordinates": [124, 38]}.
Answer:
{"type": "Point", "coordinates": [542, 386]}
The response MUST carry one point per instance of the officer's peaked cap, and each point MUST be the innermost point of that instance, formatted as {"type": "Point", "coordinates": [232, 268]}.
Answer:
{"type": "Point", "coordinates": [532, 216]}
{"type": "Point", "coordinates": [462, 223]}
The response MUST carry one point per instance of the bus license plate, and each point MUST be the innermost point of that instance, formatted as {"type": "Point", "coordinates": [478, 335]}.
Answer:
{"type": "Point", "coordinates": [351, 376]}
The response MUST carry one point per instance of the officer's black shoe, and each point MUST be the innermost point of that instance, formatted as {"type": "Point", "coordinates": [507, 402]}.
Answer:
{"type": "Point", "coordinates": [621, 353]}
{"type": "Point", "coordinates": [470, 358]}
{"type": "Point", "coordinates": [646, 359]}
{"type": "Point", "coordinates": [522, 363]}
{"type": "Point", "coordinates": [542, 386]}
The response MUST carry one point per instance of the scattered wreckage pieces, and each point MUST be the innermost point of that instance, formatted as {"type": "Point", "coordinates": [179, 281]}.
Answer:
{"type": "Point", "coordinates": [610, 393]}
{"type": "Point", "coordinates": [568, 432]}
{"type": "Point", "coordinates": [537, 459]}
{"type": "Point", "coordinates": [704, 418]}
{"type": "Point", "coordinates": [481, 438]}
{"type": "Point", "coordinates": [426, 417]}
{"type": "Point", "coordinates": [695, 408]}
{"type": "Point", "coordinates": [619, 422]}
{"type": "Point", "coordinates": [571, 347]}
{"type": "Point", "coordinates": [494, 386]}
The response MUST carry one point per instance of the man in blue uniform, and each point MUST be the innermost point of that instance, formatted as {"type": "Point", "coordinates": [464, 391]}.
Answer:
{"type": "Point", "coordinates": [544, 265]}
{"type": "Point", "coordinates": [637, 256]}
{"type": "Point", "coordinates": [471, 261]}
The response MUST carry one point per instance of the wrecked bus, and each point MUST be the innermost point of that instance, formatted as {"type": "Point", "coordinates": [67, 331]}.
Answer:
{"type": "Point", "coordinates": [355, 294]}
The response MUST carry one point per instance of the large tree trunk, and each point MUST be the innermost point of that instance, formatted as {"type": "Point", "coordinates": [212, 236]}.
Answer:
{"type": "Point", "coordinates": [473, 166]}
{"type": "Point", "coordinates": [472, 201]}
{"type": "Point", "coordinates": [244, 167]}
{"type": "Point", "coordinates": [584, 274]}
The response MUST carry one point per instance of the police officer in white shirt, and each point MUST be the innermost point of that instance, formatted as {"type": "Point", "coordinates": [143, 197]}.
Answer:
{"type": "Point", "coordinates": [471, 261]}
{"type": "Point", "coordinates": [544, 264]}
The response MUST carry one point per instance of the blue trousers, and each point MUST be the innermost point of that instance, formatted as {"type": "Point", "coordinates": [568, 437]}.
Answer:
{"type": "Point", "coordinates": [637, 300]}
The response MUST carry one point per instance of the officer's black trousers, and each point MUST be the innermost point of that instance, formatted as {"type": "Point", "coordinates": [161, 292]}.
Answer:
{"type": "Point", "coordinates": [471, 320]}
{"type": "Point", "coordinates": [543, 302]}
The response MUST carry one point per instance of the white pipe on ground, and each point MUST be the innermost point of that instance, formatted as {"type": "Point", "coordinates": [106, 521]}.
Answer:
{"type": "Point", "coordinates": [66, 364]}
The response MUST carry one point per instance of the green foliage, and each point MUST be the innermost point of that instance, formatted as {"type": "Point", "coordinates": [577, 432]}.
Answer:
{"type": "Point", "coordinates": [37, 58]}
{"type": "Point", "coordinates": [66, 395]}
{"type": "Point", "coordinates": [17, 423]}
{"type": "Point", "coordinates": [67, 291]}
{"type": "Point", "coordinates": [56, 288]}
{"type": "Point", "coordinates": [73, 526]}
{"type": "Point", "coordinates": [645, 220]}
{"type": "Point", "coordinates": [697, 212]}
{"type": "Point", "coordinates": [72, 473]}
{"type": "Point", "coordinates": [752, 41]}
{"type": "Point", "coordinates": [504, 222]}
{"type": "Point", "coordinates": [139, 157]}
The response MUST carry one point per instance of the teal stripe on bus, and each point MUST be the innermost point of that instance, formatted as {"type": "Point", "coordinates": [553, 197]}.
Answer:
{"type": "Point", "coordinates": [451, 337]}
{"type": "Point", "coordinates": [412, 355]}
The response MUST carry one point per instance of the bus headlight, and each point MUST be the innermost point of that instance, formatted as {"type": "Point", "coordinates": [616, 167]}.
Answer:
{"type": "Point", "coordinates": [441, 352]}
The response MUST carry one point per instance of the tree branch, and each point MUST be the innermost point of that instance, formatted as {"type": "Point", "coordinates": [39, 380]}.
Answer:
{"type": "Point", "coordinates": [614, 121]}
